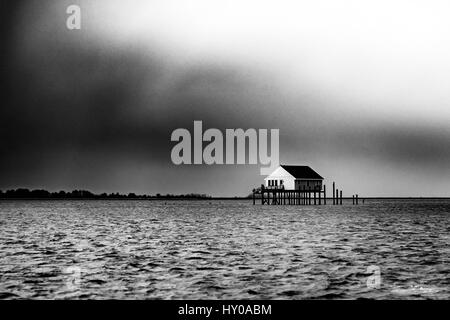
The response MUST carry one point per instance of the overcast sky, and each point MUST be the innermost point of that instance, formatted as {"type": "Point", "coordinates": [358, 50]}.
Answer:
{"type": "Point", "coordinates": [360, 91]}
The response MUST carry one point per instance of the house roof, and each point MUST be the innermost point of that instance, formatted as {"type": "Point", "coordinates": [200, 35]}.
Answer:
{"type": "Point", "coordinates": [302, 172]}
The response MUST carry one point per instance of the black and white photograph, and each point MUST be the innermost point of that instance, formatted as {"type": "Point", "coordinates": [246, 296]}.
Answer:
{"type": "Point", "coordinates": [252, 150]}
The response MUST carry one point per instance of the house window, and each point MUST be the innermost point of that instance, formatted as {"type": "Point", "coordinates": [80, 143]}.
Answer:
{"type": "Point", "coordinates": [276, 183]}
{"type": "Point", "coordinates": [281, 182]}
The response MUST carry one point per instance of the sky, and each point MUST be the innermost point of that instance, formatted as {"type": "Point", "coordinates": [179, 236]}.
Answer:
{"type": "Point", "coordinates": [359, 90]}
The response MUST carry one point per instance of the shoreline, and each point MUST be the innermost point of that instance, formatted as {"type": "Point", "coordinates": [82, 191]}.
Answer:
{"type": "Point", "coordinates": [215, 198]}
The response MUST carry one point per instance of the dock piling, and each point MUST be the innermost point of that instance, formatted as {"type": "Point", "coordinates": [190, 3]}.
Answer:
{"type": "Point", "coordinates": [305, 196]}
{"type": "Point", "coordinates": [334, 193]}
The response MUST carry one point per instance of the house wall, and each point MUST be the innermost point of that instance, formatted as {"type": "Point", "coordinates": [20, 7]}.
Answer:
{"type": "Point", "coordinates": [307, 184]}
{"type": "Point", "coordinates": [290, 183]}
{"type": "Point", "coordinates": [281, 174]}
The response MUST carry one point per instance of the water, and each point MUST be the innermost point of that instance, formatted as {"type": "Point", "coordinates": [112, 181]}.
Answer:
{"type": "Point", "coordinates": [224, 250]}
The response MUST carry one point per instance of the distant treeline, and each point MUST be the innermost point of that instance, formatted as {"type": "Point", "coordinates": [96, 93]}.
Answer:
{"type": "Point", "coordinates": [84, 194]}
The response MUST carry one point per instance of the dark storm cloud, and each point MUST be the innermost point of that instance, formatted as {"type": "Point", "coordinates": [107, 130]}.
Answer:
{"type": "Point", "coordinates": [420, 145]}
{"type": "Point", "coordinates": [81, 112]}
{"type": "Point", "coordinates": [69, 100]}
{"type": "Point", "coordinates": [428, 148]}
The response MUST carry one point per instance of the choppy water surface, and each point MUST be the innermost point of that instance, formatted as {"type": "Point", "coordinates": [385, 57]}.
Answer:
{"type": "Point", "coordinates": [223, 249]}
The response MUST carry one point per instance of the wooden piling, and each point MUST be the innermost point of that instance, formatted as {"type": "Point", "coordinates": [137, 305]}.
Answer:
{"type": "Point", "coordinates": [305, 196]}
{"type": "Point", "coordinates": [333, 192]}
{"type": "Point", "coordinates": [337, 196]}
{"type": "Point", "coordinates": [340, 201]}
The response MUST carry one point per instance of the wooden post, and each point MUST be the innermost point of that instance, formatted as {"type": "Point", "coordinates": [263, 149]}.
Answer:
{"type": "Point", "coordinates": [253, 196]}
{"type": "Point", "coordinates": [320, 200]}
{"type": "Point", "coordinates": [324, 194]}
{"type": "Point", "coordinates": [315, 198]}
{"type": "Point", "coordinates": [357, 199]}
{"type": "Point", "coordinates": [340, 202]}
{"type": "Point", "coordinates": [333, 193]}
{"type": "Point", "coordinates": [353, 199]}
{"type": "Point", "coordinates": [337, 196]}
